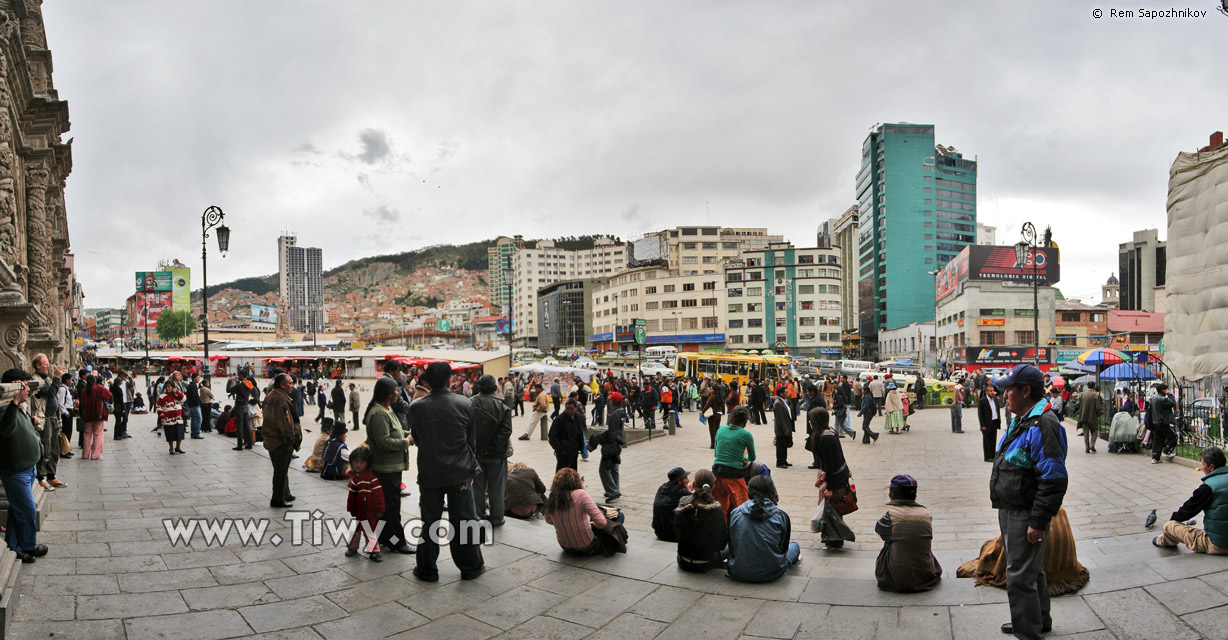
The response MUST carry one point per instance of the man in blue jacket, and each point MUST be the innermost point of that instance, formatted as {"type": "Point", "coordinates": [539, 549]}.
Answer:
{"type": "Point", "coordinates": [1026, 486]}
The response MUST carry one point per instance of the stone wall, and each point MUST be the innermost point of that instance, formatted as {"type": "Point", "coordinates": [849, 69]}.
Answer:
{"type": "Point", "coordinates": [37, 301]}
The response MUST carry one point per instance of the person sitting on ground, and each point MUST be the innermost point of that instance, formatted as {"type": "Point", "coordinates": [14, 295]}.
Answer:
{"type": "Point", "coordinates": [138, 404]}
{"type": "Point", "coordinates": [906, 563]}
{"type": "Point", "coordinates": [525, 491]}
{"type": "Point", "coordinates": [1211, 497]}
{"type": "Point", "coordinates": [735, 449]}
{"type": "Point", "coordinates": [315, 462]}
{"type": "Point", "coordinates": [575, 515]}
{"type": "Point", "coordinates": [336, 455]}
{"type": "Point", "coordinates": [225, 423]}
{"type": "Point", "coordinates": [700, 527]}
{"type": "Point", "coordinates": [669, 496]}
{"type": "Point", "coordinates": [759, 546]}
{"type": "Point", "coordinates": [1063, 572]}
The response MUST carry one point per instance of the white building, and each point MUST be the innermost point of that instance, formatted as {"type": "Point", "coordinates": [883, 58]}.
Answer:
{"type": "Point", "coordinates": [301, 281]}
{"type": "Point", "coordinates": [686, 311]}
{"type": "Point", "coordinates": [989, 324]}
{"type": "Point", "coordinates": [844, 234]}
{"type": "Point", "coordinates": [785, 299]}
{"type": "Point", "coordinates": [546, 264]}
{"type": "Point", "coordinates": [986, 234]}
{"type": "Point", "coordinates": [704, 250]}
{"type": "Point", "coordinates": [914, 343]}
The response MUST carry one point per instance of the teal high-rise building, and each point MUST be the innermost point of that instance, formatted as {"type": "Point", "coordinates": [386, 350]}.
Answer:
{"type": "Point", "coordinates": [917, 210]}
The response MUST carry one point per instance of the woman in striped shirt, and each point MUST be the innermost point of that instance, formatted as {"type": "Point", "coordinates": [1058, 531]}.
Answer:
{"type": "Point", "coordinates": [574, 514]}
{"type": "Point", "coordinates": [170, 414]}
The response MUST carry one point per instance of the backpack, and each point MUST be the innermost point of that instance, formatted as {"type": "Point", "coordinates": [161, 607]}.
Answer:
{"type": "Point", "coordinates": [334, 463]}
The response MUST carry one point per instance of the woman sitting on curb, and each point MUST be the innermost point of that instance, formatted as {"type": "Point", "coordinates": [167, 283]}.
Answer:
{"type": "Point", "coordinates": [575, 515]}
{"type": "Point", "coordinates": [700, 525]}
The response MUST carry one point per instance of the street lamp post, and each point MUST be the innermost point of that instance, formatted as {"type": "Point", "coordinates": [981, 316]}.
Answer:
{"type": "Point", "coordinates": [211, 218]}
{"type": "Point", "coordinates": [508, 275]}
{"type": "Point", "coordinates": [1027, 240]}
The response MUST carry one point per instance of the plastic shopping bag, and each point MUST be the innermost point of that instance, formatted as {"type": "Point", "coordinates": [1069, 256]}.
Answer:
{"type": "Point", "coordinates": [816, 522]}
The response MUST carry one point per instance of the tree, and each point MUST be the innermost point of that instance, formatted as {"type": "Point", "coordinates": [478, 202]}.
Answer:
{"type": "Point", "coordinates": [173, 326]}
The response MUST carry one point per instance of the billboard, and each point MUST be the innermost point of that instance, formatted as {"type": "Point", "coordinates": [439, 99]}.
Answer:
{"type": "Point", "coordinates": [149, 307]}
{"type": "Point", "coordinates": [181, 292]}
{"type": "Point", "coordinates": [153, 281]}
{"type": "Point", "coordinates": [261, 313]}
{"type": "Point", "coordinates": [999, 355]}
{"type": "Point", "coordinates": [503, 326]}
{"type": "Point", "coordinates": [996, 263]}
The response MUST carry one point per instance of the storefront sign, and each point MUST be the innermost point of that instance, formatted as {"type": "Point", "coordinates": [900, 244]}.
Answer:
{"type": "Point", "coordinates": [682, 338]}
{"type": "Point", "coordinates": [992, 322]}
{"type": "Point", "coordinates": [999, 355]}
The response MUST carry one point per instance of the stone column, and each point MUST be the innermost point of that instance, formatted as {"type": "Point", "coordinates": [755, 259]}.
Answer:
{"type": "Point", "coordinates": [40, 279]}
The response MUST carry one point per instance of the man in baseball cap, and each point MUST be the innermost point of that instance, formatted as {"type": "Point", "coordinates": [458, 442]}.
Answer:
{"type": "Point", "coordinates": [666, 502]}
{"type": "Point", "coordinates": [1027, 485]}
{"type": "Point", "coordinates": [906, 564]}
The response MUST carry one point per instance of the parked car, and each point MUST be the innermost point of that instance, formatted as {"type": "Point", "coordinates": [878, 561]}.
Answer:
{"type": "Point", "coordinates": [585, 363]}
{"type": "Point", "coordinates": [655, 368]}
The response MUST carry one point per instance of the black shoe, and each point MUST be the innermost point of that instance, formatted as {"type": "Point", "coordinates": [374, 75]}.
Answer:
{"type": "Point", "coordinates": [525, 437]}
{"type": "Point", "coordinates": [375, 556]}
{"type": "Point", "coordinates": [1009, 628]}
{"type": "Point", "coordinates": [405, 548]}
{"type": "Point", "coordinates": [814, 466]}
{"type": "Point", "coordinates": [291, 498]}
{"type": "Point", "coordinates": [198, 437]}
{"type": "Point", "coordinates": [25, 557]}
{"type": "Point", "coordinates": [875, 436]}
{"type": "Point", "coordinates": [38, 551]}
{"type": "Point", "coordinates": [66, 456]}
{"type": "Point", "coordinates": [424, 578]}
{"type": "Point", "coordinates": [238, 448]}
{"type": "Point", "coordinates": [281, 505]}
{"type": "Point", "coordinates": [247, 446]}
{"type": "Point", "coordinates": [350, 553]}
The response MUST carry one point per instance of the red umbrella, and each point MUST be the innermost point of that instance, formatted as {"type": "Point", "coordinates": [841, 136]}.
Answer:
{"type": "Point", "coordinates": [1058, 381]}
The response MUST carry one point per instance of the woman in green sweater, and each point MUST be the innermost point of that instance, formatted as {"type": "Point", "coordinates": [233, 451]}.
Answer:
{"type": "Point", "coordinates": [390, 449]}
{"type": "Point", "coordinates": [735, 448]}
{"type": "Point", "coordinates": [20, 449]}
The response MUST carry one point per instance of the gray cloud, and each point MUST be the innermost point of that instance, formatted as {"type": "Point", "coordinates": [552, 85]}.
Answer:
{"type": "Point", "coordinates": [382, 213]}
{"type": "Point", "coordinates": [548, 118]}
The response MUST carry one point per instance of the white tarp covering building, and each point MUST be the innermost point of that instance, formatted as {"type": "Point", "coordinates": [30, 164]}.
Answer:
{"type": "Point", "coordinates": [1196, 318]}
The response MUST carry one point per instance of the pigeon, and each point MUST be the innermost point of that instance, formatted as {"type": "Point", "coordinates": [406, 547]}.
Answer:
{"type": "Point", "coordinates": [1151, 520]}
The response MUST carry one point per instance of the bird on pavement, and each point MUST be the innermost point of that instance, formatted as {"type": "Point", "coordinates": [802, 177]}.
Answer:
{"type": "Point", "coordinates": [1151, 520]}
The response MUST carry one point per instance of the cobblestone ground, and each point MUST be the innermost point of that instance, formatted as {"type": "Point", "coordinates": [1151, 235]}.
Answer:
{"type": "Point", "coordinates": [112, 573]}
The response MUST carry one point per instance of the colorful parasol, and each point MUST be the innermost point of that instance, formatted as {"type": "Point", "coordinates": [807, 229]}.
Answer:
{"type": "Point", "coordinates": [1103, 357]}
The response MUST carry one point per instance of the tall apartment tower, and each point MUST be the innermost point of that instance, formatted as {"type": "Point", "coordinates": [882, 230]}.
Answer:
{"type": "Point", "coordinates": [301, 284]}
{"type": "Point", "coordinates": [916, 211]}
{"type": "Point", "coordinates": [1143, 265]}
{"type": "Point", "coordinates": [499, 260]}
{"type": "Point", "coordinates": [843, 233]}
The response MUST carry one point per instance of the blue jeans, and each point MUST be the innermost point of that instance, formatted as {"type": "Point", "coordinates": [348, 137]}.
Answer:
{"type": "Point", "coordinates": [194, 416]}
{"type": "Point", "coordinates": [957, 417]}
{"type": "Point", "coordinates": [845, 424]}
{"type": "Point", "coordinates": [794, 553]}
{"type": "Point", "coordinates": [21, 534]}
{"type": "Point", "coordinates": [584, 449]}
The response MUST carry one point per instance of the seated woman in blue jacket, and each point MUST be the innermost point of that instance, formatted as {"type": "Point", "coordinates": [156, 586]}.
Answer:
{"type": "Point", "coordinates": [759, 546]}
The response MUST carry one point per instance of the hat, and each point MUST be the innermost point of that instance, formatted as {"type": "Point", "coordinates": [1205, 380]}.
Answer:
{"type": "Point", "coordinates": [616, 397]}
{"type": "Point", "coordinates": [677, 472]}
{"type": "Point", "coordinates": [902, 481]}
{"type": "Point", "coordinates": [1024, 374]}
{"type": "Point", "coordinates": [891, 386]}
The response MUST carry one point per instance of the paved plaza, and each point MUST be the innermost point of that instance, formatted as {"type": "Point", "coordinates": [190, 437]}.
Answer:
{"type": "Point", "coordinates": [112, 573]}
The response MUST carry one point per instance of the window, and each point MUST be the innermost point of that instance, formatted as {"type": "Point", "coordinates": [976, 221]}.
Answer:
{"type": "Point", "coordinates": [805, 259]}
{"type": "Point", "coordinates": [929, 236]}
{"type": "Point", "coordinates": [1025, 313]}
{"type": "Point", "coordinates": [780, 291]}
{"type": "Point", "coordinates": [992, 338]}
{"type": "Point", "coordinates": [735, 324]}
{"type": "Point", "coordinates": [669, 304]}
{"type": "Point", "coordinates": [668, 288]}
{"type": "Point", "coordinates": [805, 288]}
{"type": "Point", "coordinates": [669, 324]}
{"type": "Point", "coordinates": [688, 286]}
{"type": "Point", "coordinates": [709, 259]}
{"type": "Point", "coordinates": [805, 273]}
{"type": "Point", "coordinates": [709, 322]}
{"type": "Point", "coordinates": [708, 302]}
{"type": "Point", "coordinates": [653, 325]}
{"type": "Point", "coordinates": [735, 339]}
{"type": "Point", "coordinates": [807, 305]}
{"type": "Point", "coordinates": [1069, 317]}
{"type": "Point", "coordinates": [780, 273]}
{"type": "Point", "coordinates": [690, 259]}
{"type": "Point", "coordinates": [755, 337]}
{"type": "Point", "coordinates": [735, 308]}
{"type": "Point", "coordinates": [690, 303]}
{"type": "Point", "coordinates": [1024, 337]}
{"type": "Point", "coordinates": [754, 307]}
{"type": "Point", "coordinates": [805, 321]}
{"type": "Point", "coordinates": [754, 291]}
{"type": "Point", "coordinates": [780, 306]}
{"type": "Point", "coordinates": [709, 246]}
{"type": "Point", "coordinates": [754, 275]}
{"type": "Point", "coordinates": [733, 276]}
{"type": "Point", "coordinates": [993, 312]}
{"type": "Point", "coordinates": [710, 285]}
{"type": "Point", "coordinates": [806, 337]}
{"type": "Point", "coordinates": [754, 322]}
{"type": "Point", "coordinates": [729, 246]}
{"type": "Point", "coordinates": [735, 292]}
{"type": "Point", "coordinates": [649, 290]}
{"type": "Point", "coordinates": [780, 322]}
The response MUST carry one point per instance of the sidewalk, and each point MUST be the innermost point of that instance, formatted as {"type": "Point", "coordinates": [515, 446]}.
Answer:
{"type": "Point", "coordinates": [111, 572]}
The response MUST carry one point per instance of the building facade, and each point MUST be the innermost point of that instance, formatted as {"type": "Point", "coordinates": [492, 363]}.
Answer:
{"type": "Point", "coordinates": [499, 259]}
{"type": "Point", "coordinates": [785, 299]}
{"type": "Point", "coordinates": [685, 311]}
{"type": "Point", "coordinates": [989, 324]}
{"type": "Point", "coordinates": [544, 264]}
{"type": "Point", "coordinates": [301, 280]}
{"type": "Point", "coordinates": [1080, 325]}
{"type": "Point", "coordinates": [844, 239]}
{"type": "Point", "coordinates": [986, 234]}
{"type": "Point", "coordinates": [1142, 263]}
{"type": "Point", "coordinates": [563, 313]}
{"type": "Point", "coordinates": [917, 205]}
{"type": "Point", "coordinates": [39, 299]}
{"type": "Point", "coordinates": [704, 250]}
{"type": "Point", "coordinates": [913, 343]}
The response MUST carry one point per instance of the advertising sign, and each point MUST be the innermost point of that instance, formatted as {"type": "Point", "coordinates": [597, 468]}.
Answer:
{"type": "Point", "coordinates": [992, 322]}
{"type": "Point", "coordinates": [503, 325]}
{"type": "Point", "coordinates": [624, 333]}
{"type": "Point", "coordinates": [999, 263]}
{"type": "Point", "coordinates": [261, 313]}
{"type": "Point", "coordinates": [149, 306]}
{"type": "Point", "coordinates": [181, 281]}
{"type": "Point", "coordinates": [153, 281]}
{"type": "Point", "coordinates": [1001, 355]}
{"type": "Point", "coordinates": [951, 276]}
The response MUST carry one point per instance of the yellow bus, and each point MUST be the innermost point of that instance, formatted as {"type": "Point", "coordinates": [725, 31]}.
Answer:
{"type": "Point", "coordinates": [731, 366]}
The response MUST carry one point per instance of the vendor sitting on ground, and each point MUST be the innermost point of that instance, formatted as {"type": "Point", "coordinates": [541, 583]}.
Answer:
{"type": "Point", "coordinates": [906, 563]}
{"type": "Point", "coordinates": [1211, 497]}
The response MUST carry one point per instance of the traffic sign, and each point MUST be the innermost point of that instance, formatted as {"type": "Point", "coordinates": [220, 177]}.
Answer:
{"type": "Point", "coordinates": [640, 335]}
{"type": "Point", "coordinates": [445, 325]}
{"type": "Point", "coordinates": [640, 322]}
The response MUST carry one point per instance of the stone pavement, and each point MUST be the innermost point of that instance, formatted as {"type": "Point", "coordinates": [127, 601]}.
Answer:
{"type": "Point", "coordinates": [112, 573]}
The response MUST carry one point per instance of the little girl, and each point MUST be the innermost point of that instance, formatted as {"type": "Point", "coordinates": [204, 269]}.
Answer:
{"type": "Point", "coordinates": [365, 502]}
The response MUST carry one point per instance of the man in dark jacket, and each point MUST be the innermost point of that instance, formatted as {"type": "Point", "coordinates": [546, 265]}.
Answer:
{"type": "Point", "coordinates": [442, 425]}
{"type": "Point", "coordinates": [241, 390]}
{"type": "Point", "coordinates": [1027, 485]}
{"type": "Point", "coordinates": [567, 435]}
{"type": "Point", "coordinates": [282, 436]}
{"type": "Point", "coordinates": [1091, 407]}
{"type": "Point", "coordinates": [45, 412]}
{"type": "Point", "coordinates": [337, 402]}
{"type": "Point", "coordinates": [758, 402]}
{"type": "Point", "coordinates": [611, 442]}
{"type": "Point", "coordinates": [649, 400]}
{"type": "Point", "coordinates": [121, 405]}
{"type": "Point", "coordinates": [20, 450]}
{"type": "Point", "coordinates": [665, 504]}
{"type": "Point", "coordinates": [492, 420]}
{"type": "Point", "coordinates": [988, 412]}
{"type": "Point", "coordinates": [782, 423]}
{"type": "Point", "coordinates": [191, 405]}
{"type": "Point", "coordinates": [1161, 418]}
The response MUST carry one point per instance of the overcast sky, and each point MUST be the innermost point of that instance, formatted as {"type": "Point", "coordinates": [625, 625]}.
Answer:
{"type": "Point", "coordinates": [376, 127]}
